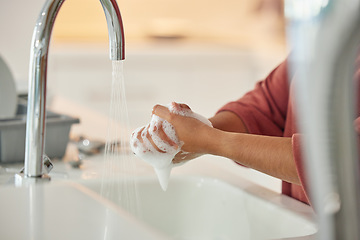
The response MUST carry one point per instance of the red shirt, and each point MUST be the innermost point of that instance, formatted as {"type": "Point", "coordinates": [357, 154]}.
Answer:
{"type": "Point", "coordinates": [268, 110]}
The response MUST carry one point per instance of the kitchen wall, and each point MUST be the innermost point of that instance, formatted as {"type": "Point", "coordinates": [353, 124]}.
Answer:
{"type": "Point", "coordinates": [251, 24]}
{"type": "Point", "coordinates": [228, 20]}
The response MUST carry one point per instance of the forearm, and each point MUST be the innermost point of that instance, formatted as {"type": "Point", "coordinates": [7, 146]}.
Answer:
{"type": "Point", "coordinates": [270, 155]}
{"type": "Point", "coordinates": [229, 122]}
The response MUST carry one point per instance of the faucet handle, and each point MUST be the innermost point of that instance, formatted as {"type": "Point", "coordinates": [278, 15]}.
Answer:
{"type": "Point", "coordinates": [48, 165]}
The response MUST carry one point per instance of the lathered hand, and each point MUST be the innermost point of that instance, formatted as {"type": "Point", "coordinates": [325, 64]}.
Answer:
{"type": "Point", "coordinates": [173, 130]}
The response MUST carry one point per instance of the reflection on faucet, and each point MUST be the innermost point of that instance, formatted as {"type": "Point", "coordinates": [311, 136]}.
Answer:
{"type": "Point", "coordinates": [35, 127]}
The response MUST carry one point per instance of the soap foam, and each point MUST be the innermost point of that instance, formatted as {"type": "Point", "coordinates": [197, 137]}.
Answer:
{"type": "Point", "coordinates": [161, 160]}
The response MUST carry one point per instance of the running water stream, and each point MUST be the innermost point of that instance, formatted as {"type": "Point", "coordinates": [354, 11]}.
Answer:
{"type": "Point", "coordinates": [118, 181]}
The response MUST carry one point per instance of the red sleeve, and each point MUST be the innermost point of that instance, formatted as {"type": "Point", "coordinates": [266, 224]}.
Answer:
{"type": "Point", "coordinates": [263, 110]}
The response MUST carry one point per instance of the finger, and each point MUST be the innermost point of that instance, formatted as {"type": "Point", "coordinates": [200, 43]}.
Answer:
{"type": "Point", "coordinates": [180, 108]}
{"type": "Point", "coordinates": [185, 106]}
{"type": "Point", "coordinates": [137, 143]}
{"type": "Point", "coordinates": [139, 135]}
{"type": "Point", "coordinates": [147, 142]}
{"type": "Point", "coordinates": [165, 137]}
{"type": "Point", "coordinates": [148, 136]}
{"type": "Point", "coordinates": [160, 137]}
{"type": "Point", "coordinates": [161, 111]}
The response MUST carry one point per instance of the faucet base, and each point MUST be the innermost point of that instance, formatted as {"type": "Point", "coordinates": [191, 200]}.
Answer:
{"type": "Point", "coordinates": [21, 180]}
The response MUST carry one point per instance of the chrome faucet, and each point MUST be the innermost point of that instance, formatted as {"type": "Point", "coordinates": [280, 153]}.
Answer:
{"type": "Point", "coordinates": [325, 35]}
{"type": "Point", "coordinates": [35, 125]}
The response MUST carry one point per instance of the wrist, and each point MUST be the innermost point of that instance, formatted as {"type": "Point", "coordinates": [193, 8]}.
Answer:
{"type": "Point", "coordinates": [213, 141]}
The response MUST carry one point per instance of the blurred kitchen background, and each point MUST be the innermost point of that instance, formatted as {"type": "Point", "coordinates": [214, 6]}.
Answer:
{"type": "Point", "coordinates": [203, 53]}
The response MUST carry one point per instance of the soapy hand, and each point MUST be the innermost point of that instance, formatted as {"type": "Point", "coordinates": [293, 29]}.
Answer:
{"type": "Point", "coordinates": [190, 129]}
{"type": "Point", "coordinates": [172, 129]}
{"type": "Point", "coordinates": [168, 138]}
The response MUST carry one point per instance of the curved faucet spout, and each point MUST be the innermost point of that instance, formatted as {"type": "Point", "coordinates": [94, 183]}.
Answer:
{"type": "Point", "coordinates": [115, 29]}
{"type": "Point", "coordinates": [35, 126]}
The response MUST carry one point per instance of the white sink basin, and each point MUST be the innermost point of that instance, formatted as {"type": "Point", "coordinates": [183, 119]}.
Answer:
{"type": "Point", "coordinates": [206, 208]}
{"type": "Point", "coordinates": [220, 206]}
{"type": "Point", "coordinates": [64, 211]}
